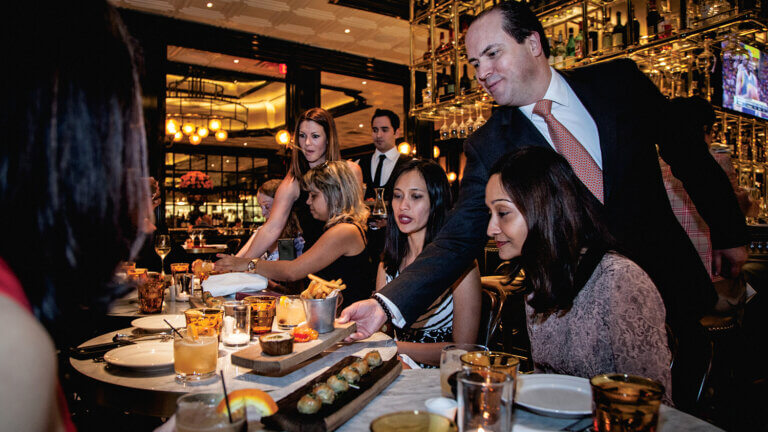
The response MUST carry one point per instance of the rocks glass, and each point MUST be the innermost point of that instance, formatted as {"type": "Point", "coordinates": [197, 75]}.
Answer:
{"type": "Point", "coordinates": [262, 313]}
{"type": "Point", "coordinates": [625, 403]}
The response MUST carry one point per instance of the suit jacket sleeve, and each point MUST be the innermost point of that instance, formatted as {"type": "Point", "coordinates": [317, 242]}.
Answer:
{"type": "Point", "coordinates": [684, 149]}
{"type": "Point", "coordinates": [455, 247]}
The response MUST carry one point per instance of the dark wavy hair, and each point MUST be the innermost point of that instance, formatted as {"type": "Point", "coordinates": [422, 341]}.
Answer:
{"type": "Point", "coordinates": [520, 22]}
{"type": "Point", "coordinates": [74, 196]}
{"type": "Point", "coordinates": [440, 202]}
{"type": "Point", "coordinates": [564, 221]}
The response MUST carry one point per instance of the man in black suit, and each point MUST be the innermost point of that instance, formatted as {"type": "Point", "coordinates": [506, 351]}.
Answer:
{"type": "Point", "coordinates": [618, 115]}
{"type": "Point", "coordinates": [378, 168]}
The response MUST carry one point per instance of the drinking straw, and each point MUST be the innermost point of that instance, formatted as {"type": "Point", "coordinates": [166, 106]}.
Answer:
{"type": "Point", "coordinates": [226, 396]}
{"type": "Point", "coordinates": [173, 328]}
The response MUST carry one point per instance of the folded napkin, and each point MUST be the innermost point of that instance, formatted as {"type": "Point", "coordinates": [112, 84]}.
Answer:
{"type": "Point", "coordinates": [230, 283]}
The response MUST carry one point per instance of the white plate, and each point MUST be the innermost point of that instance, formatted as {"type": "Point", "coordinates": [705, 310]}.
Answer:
{"type": "Point", "coordinates": [155, 323]}
{"type": "Point", "coordinates": [148, 355]}
{"type": "Point", "coordinates": [554, 395]}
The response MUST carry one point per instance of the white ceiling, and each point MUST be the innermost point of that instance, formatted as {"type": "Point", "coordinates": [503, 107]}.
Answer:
{"type": "Point", "coordinates": [312, 22]}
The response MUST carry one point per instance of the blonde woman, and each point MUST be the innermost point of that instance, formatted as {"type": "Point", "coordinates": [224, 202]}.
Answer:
{"type": "Point", "coordinates": [318, 142]}
{"type": "Point", "coordinates": [335, 199]}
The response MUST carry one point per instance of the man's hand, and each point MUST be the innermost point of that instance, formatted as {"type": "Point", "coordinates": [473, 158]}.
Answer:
{"type": "Point", "coordinates": [727, 262]}
{"type": "Point", "coordinates": [229, 263]}
{"type": "Point", "coordinates": [368, 315]}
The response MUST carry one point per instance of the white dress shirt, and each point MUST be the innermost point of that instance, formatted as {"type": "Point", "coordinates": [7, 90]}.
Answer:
{"type": "Point", "coordinates": [387, 167]}
{"type": "Point", "coordinates": [568, 110]}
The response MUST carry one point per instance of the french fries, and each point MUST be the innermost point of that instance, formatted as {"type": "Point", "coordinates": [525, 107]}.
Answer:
{"type": "Point", "coordinates": [319, 288]}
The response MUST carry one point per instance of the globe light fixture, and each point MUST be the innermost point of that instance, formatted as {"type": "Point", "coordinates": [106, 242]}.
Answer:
{"type": "Point", "coordinates": [221, 135]}
{"type": "Point", "coordinates": [171, 127]}
{"type": "Point", "coordinates": [404, 148]}
{"type": "Point", "coordinates": [195, 139]}
{"type": "Point", "coordinates": [283, 137]}
{"type": "Point", "coordinates": [188, 129]}
{"type": "Point", "coordinates": [178, 136]}
{"type": "Point", "coordinates": [214, 124]}
{"type": "Point", "coordinates": [202, 132]}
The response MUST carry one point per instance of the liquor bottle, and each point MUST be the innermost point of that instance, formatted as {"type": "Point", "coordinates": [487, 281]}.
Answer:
{"type": "Point", "coordinates": [594, 41]}
{"type": "Point", "coordinates": [652, 19]}
{"type": "Point", "coordinates": [570, 47]}
{"type": "Point", "coordinates": [464, 82]}
{"type": "Point", "coordinates": [551, 51]}
{"type": "Point", "coordinates": [442, 84]}
{"type": "Point", "coordinates": [428, 53]}
{"type": "Point", "coordinates": [450, 90]}
{"type": "Point", "coordinates": [579, 40]}
{"type": "Point", "coordinates": [619, 32]}
{"type": "Point", "coordinates": [635, 27]}
{"type": "Point", "coordinates": [559, 48]}
{"type": "Point", "coordinates": [607, 32]}
{"type": "Point", "coordinates": [445, 47]}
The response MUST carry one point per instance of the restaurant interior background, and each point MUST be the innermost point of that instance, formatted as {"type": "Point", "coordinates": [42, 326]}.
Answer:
{"type": "Point", "coordinates": [255, 65]}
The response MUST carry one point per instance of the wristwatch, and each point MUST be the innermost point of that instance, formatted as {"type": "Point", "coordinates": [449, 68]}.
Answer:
{"type": "Point", "coordinates": [252, 265]}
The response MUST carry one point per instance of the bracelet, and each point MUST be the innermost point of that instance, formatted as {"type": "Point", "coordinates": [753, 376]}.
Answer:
{"type": "Point", "coordinates": [383, 306]}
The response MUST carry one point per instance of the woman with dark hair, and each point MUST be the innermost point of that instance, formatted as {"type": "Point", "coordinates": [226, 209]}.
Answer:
{"type": "Point", "coordinates": [74, 196]}
{"type": "Point", "coordinates": [589, 309]}
{"type": "Point", "coordinates": [335, 199]}
{"type": "Point", "coordinates": [317, 142]}
{"type": "Point", "coordinates": [421, 200]}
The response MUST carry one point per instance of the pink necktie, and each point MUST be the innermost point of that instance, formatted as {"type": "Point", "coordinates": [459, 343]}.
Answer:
{"type": "Point", "coordinates": [567, 145]}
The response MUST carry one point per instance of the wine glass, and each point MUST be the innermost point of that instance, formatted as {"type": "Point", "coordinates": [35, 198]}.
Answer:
{"type": "Point", "coordinates": [480, 119]}
{"type": "Point", "coordinates": [444, 134]}
{"type": "Point", "coordinates": [470, 122]}
{"type": "Point", "coordinates": [462, 126]}
{"type": "Point", "coordinates": [454, 127]}
{"type": "Point", "coordinates": [162, 248]}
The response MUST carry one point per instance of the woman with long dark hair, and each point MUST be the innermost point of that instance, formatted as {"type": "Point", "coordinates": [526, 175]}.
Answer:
{"type": "Point", "coordinates": [74, 195]}
{"type": "Point", "coordinates": [590, 310]}
{"type": "Point", "coordinates": [317, 142]}
{"type": "Point", "coordinates": [421, 199]}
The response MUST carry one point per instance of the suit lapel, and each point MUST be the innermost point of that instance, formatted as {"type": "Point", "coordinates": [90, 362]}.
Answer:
{"type": "Point", "coordinates": [516, 126]}
{"type": "Point", "coordinates": [605, 118]}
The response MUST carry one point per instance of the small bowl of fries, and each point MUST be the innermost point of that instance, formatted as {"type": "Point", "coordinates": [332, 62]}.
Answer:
{"type": "Point", "coordinates": [321, 299]}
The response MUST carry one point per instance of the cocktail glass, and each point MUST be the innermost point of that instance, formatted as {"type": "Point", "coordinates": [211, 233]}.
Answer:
{"type": "Point", "coordinates": [194, 357]}
{"type": "Point", "coordinates": [262, 313]}
{"type": "Point", "coordinates": [204, 321]}
{"type": "Point", "coordinates": [290, 312]}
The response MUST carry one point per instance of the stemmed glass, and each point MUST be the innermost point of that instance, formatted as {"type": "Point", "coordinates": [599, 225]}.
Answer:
{"type": "Point", "coordinates": [454, 127]}
{"type": "Point", "coordinates": [462, 126]}
{"type": "Point", "coordinates": [444, 134]}
{"type": "Point", "coordinates": [162, 248]}
{"type": "Point", "coordinates": [470, 122]}
{"type": "Point", "coordinates": [480, 119]}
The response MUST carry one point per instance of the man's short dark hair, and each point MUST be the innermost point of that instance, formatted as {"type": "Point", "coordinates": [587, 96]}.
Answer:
{"type": "Point", "coordinates": [520, 22]}
{"type": "Point", "coordinates": [394, 120]}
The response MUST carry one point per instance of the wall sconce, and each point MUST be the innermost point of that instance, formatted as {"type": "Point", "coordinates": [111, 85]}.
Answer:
{"type": "Point", "coordinates": [283, 137]}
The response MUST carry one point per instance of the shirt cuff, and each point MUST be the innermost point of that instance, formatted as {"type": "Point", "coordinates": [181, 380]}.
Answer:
{"type": "Point", "coordinates": [397, 317]}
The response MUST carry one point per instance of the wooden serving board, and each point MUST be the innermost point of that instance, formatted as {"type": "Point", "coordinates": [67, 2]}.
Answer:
{"type": "Point", "coordinates": [346, 405]}
{"type": "Point", "coordinates": [253, 358]}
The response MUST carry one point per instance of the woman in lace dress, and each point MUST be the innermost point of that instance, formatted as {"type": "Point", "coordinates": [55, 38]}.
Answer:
{"type": "Point", "coordinates": [589, 309]}
{"type": "Point", "coordinates": [420, 201]}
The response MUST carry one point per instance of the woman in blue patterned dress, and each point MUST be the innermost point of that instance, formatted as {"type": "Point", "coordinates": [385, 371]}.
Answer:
{"type": "Point", "coordinates": [421, 199]}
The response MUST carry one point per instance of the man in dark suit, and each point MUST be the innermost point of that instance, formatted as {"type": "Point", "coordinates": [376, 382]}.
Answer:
{"type": "Point", "coordinates": [378, 168]}
{"type": "Point", "coordinates": [617, 116]}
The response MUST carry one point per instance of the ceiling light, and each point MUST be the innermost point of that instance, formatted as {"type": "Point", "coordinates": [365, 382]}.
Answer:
{"type": "Point", "coordinates": [404, 148]}
{"type": "Point", "coordinates": [178, 136]}
{"type": "Point", "coordinates": [236, 61]}
{"type": "Point", "coordinates": [171, 127]}
{"type": "Point", "coordinates": [283, 137]}
{"type": "Point", "coordinates": [214, 124]}
{"type": "Point", "coordinates": [365, 82]}
{"type": "Point", "coordinates": [221, 135]}
{"type": "Point", "coordinates": [195, 139]}
{"type": "Point", "coordinates": [202, 131]}
{"type": "Point", "coordinates": [360, 125]}
{"type": "Point", "coordinates": [188, 129]}
{"type": "Point", "coordinates": [346, 30]}
{"type": "Point", "coordinates": [245, 144]}
{"type": "Point", "coordinates": [213, 164]}
{"type": "Point", "coordinates": [209, 4]}
{"type": "Point", "coordinates": [227, 160]}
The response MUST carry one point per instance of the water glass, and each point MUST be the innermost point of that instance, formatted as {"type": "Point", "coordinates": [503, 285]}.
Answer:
{"type": "Point", "coordinates": [151, 294]}
{"type": "Point", "coordinates": [204, 321]}
{"type": "Point", "coordinates": [493, 360]}
{"type": "Point", "coordinates": [237, 323]}
{"type": "Point", "coordinates": [485, 400]}
{"type": "Point", "coordinates": [625, 403]}
{"type": "Point", "coordinates": [184, 282]}
{"type": "Point", "coordinates": [198, 412]}
{"type": "Point", "coordinates": [450, 363]}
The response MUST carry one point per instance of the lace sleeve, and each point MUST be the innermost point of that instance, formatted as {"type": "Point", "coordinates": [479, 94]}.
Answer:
{"type": "Point", "coordinates": [635, 319]}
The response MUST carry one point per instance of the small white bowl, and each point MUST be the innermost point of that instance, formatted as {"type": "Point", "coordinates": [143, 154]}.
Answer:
{"type": "Point", "coordinates": [443, 406]}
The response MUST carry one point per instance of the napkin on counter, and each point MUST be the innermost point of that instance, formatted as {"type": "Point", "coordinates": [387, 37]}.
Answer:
{"type": "Point", "coordinates": [230, 283]}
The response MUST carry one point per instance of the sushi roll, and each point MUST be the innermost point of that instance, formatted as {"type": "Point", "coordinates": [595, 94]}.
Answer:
{"type": "Point", "coordinates": [324, 393]}
{"type": "Point", "coordinates": [361, 366]}
{"type": "Point", "coordinates": [373, 358]}
{"type": "Point", "coordinates": [350, 374]}
{"type": "Point", "coordinates": [308, 404]}
{"type": "Point", "coordinates": [338, 383]}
